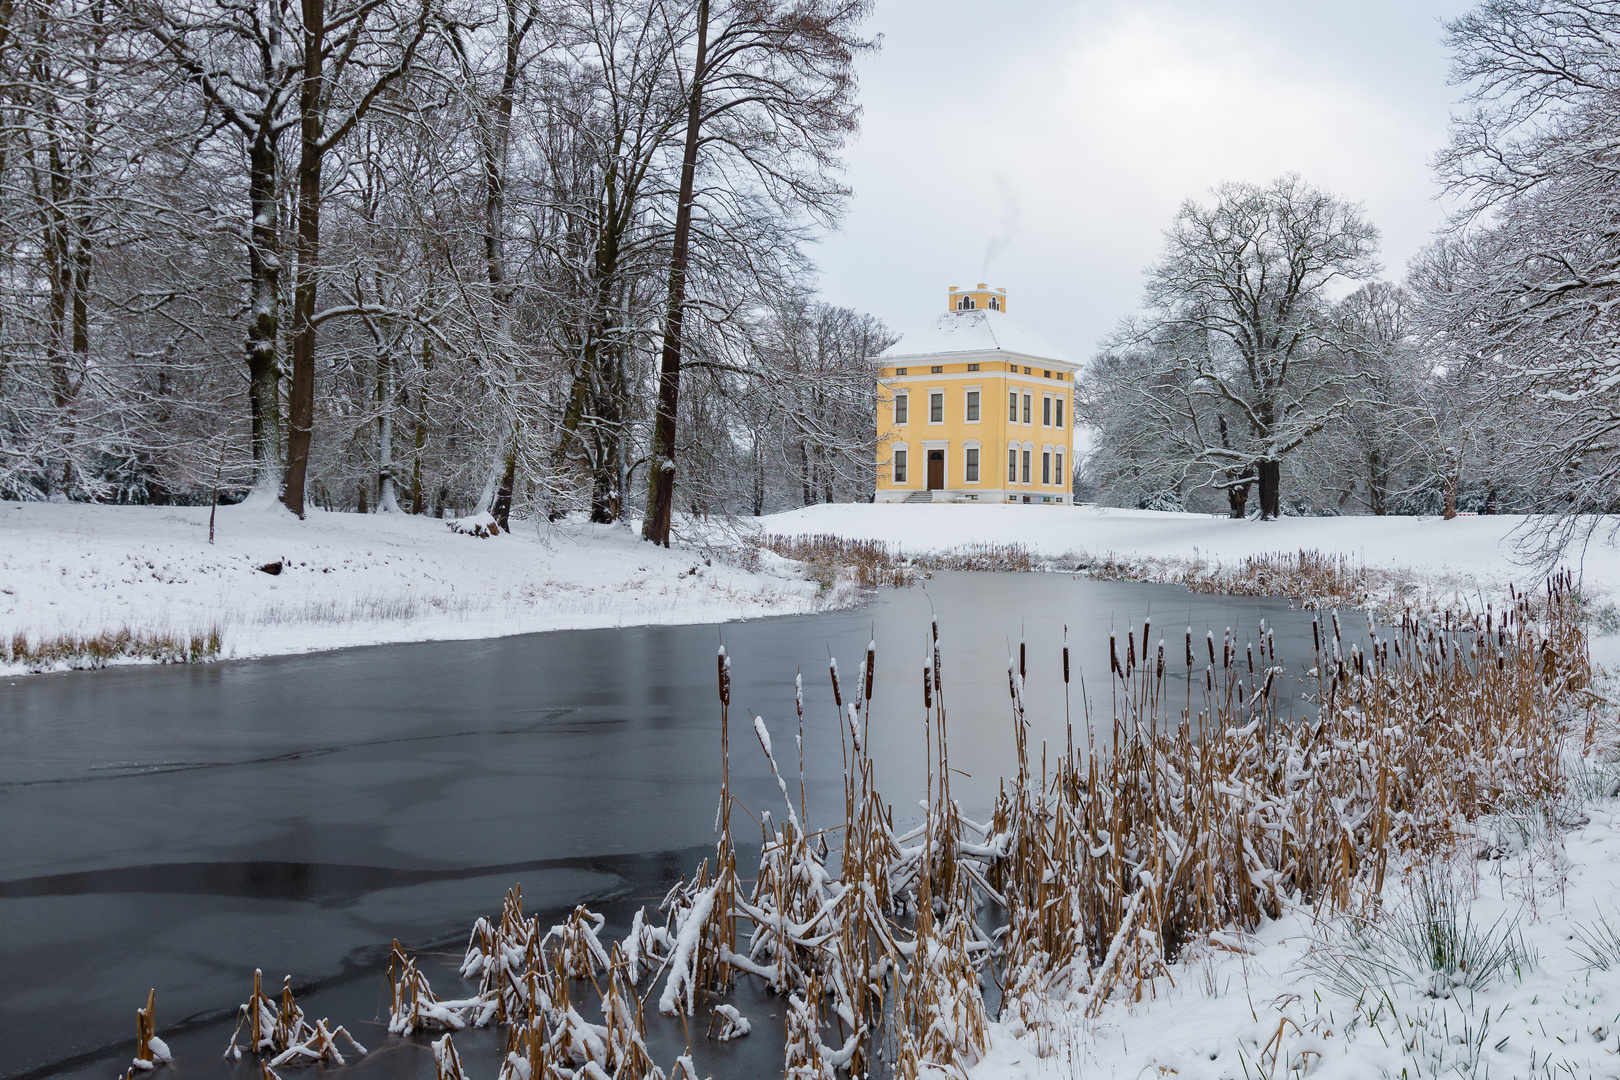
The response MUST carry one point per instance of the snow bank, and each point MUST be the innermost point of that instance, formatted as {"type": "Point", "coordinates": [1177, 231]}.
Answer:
{"type": "Point", "coordinates": [1258, 1005]}
{"type": "Point", "coordinates": [1472, 551]}
{"type": "Point", "coordinates": [350, 579]}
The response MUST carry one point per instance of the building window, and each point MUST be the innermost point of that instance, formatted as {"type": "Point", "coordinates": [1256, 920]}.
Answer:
{"type": "Point", "coordinates": [1012, 408]}
{"type": "Point", "coordinates": [971, 457]}
{"type": "Point", "coordinates": [1026, 466]}
{"type": "Point", "coordinates": [995, 304]}
{"type": "Point", "coordinates": [1026, 371]}
{"type": "Point", "coordinates": [1012, 466]}
{"type": "Point", "coordinates": [973, 406]}
{"type": "Point", "coordinates": [1046, 466]}
{"type": "Point", "coordinates": [902, 408]}
{"type": "Point", "coordinates": [1029, 409]}
{"type": "Point", "coordinates": [936, 407]}
{"type": "Point", "coordinates": [899, 466]}
{"type": "Point", "coordinates": [936, 369]}
{"type": "Point", "coordinates": [900, 370]}
{"type": "Point", "coordinates": [973, 367]}
{"type": "Point", "coordinates": [1062, 481]}
{"type": "Point", "coordinates": [1046, 411]}
{"type": "Point", "coordinates": [1059, 412]}
{"type": "Point", "coordinates": [1046, 374]}
{"type": "Point", "coordinates": [964, 304]}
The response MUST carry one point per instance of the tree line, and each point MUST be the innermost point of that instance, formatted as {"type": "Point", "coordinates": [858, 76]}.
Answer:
{"type": "Point", "coordinates": [429, 256]}
{"type": "Point", "coordinates": [1274, 371]}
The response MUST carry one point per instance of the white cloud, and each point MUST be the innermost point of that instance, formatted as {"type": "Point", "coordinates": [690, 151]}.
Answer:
{"type": "Point", "coordinates": [1094, 124]}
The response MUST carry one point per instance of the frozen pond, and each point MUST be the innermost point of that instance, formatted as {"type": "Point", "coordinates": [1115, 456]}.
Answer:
{"type": "Point", "coordinates": [177, 827]}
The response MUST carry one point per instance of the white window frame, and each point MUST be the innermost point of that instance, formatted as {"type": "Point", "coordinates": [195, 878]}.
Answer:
{"type": "Point", "coordinates": [973, 445]}
{"type": "Point", "coordinates": [966, 390]}
{"type": "Point", "coordinates": [940, 390]}
{"type": "Point", "coordinates": [1012, 462]}
{"type": "Point", "coordinates": [905, 396]}
{"type": "Point", "coordinates": [1027, 453]}
{"type": "Point", "coordinates": [1057, 469]}
{"type": "Point", "coordinates": [1029, 408]}
{"type": "Point", "coordinates": [1012, 406]}
{"type": "Point", "coordinates": [1058, 405]}
{"type": "Point", "coordinates": [1046, 465]}
{"type": "Point", "coordinates": [901, 448]}
{"type": "Point", "coordinates": [1046, 410]}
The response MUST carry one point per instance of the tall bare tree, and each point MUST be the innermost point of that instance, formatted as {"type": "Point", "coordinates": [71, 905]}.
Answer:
{"type": "Point", "coordinates": [770, 100]}
{"type": "Point", "coordinates": [1239, 298]}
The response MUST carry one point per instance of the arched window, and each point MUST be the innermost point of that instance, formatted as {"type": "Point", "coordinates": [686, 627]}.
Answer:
{"type": "Point", "coordinates": [965, 304]}
{"type": "Point", "coordinates": [995, 304]}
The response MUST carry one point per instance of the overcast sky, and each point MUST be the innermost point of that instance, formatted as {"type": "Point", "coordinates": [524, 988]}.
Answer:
{"type": "Point", "coordinates": [1056, 141]}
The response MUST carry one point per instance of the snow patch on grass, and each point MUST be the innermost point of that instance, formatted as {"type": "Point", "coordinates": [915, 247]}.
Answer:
{"type": "Point", "coordinates": [89, 585]}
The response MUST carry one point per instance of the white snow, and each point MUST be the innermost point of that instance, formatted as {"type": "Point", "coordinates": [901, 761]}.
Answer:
{"type": "Point", "coordinates": [1230, 1005]}
{"type": "Point", "coordinates": [351, 579]}
{"type": "Point", "coordinates": [980, 331]}
{"type": "Point", "coordinates": [1471, 551]}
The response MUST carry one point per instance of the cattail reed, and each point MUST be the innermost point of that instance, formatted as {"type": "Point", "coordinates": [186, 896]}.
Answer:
{"type": "Point", "coordinates": [838, 696]}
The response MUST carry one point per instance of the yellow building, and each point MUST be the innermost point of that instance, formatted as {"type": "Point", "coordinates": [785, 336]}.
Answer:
{"type": "Point", "coordinates": [974, 407]}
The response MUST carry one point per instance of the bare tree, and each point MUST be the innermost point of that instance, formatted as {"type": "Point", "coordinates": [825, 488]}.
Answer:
{"type": "Point", "coordinates": [770, 100]}
{"type": "Point", "coordinates": [1239, 301]}
{"type": "Point", "coordinates": [1534, 274]}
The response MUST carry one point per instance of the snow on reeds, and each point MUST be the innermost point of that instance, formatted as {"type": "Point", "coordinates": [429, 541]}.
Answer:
{"type": "Point", "coordinates": [872, 563]}
{"type": "Point", "coordinates": [279, 1034]}
{"type": "Point", "coordinates": [74, 651]}
{"type": "Point", "coordinates": [1175, 823]}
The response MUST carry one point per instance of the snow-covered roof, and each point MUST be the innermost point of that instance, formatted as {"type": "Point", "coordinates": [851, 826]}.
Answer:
{"type": "Point", "coordinates": [978, 331]}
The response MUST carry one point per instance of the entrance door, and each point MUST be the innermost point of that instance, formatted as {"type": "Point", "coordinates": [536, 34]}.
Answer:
{"type": "Point", "coordinates": [936, 470]}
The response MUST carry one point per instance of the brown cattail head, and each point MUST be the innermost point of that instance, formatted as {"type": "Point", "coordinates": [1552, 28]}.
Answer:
{"type": "Point", "coordinates": [1189, 649]}
{"type": "Point", "coordinates": [1209, 636]}
{"type": "Point", "coordinates": [1160, 672]}
{"type": "Point", "coordinates": [1113, 656]}
{"type": "Point", "coordinates": [1065, 664]}
{"type": "Point", "coordinates": [838, 696]}
{"type": "Point", "coordinates": [1250, 650]}
{"type": "Point", "coordinates": [871, 665]}
{"type": "Point", "coordinates": [1023, 670]}
{"type": "Point", "coordinates": [1130, 649]}
{"type": "Point", "coordinates": [1147, 625]}
{"type": "Point", "coordinates": [723, 663]}
{"type": "Point", "coordinates": [928, 684]}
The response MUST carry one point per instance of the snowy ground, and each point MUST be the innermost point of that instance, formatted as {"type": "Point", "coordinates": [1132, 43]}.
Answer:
{"type": "Point", "coordinates": [350, 579]}
{"type": "Point", "coordinates": [1259, 1005]}
{"type": "Point", "coordinates": [1467, 550]}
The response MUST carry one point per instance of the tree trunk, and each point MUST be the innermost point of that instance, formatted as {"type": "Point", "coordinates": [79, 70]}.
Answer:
{"type": "Point", "coordinates": [387, 499]}
{"type": "Point", "coordinates": [264, 308]}
{"type": "Point", "coordinates": [1452, 480]}
{"type": "Point", "coordinates": [807, 491]}
{"type": "Point", "coordinates": [661, 463]}
{"type": "Point", "coordinates": [1237, 501]}
{"type": "Point", "coordinates": [301, 398]}
{"type": "Point", "coordinates": [501, 511]}
{"type": "Point", "coordinates": [1377, 484]}
{"type": "Point", "coordinates": [419, 440]}
{"type": "Point", "coordinates": [759, 482]}
{"type": "Point", "coordinates": [1270, 477]}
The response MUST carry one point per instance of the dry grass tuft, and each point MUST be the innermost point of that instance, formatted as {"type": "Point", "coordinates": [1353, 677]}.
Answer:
{"type": "Point", "coordinates": [872, 563]}
{"type": "Point", "coordinates": [76, 652]}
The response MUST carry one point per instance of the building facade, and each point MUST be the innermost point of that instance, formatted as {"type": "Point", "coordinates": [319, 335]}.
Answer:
{"type": "Point", "coordinates": [974, 407]}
